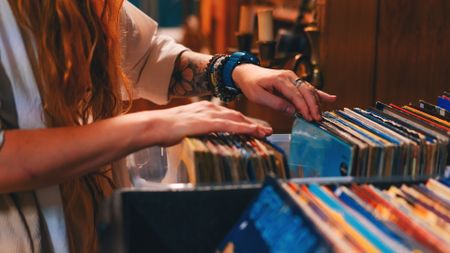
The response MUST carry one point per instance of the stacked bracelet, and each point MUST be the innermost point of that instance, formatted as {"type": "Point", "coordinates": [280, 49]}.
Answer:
{"type": "Point", "coordinates": [211, 71]}
{"type": "Point", "coordinates": [220, 69]}
{"type": "Point", "coordinates": [229, 90]}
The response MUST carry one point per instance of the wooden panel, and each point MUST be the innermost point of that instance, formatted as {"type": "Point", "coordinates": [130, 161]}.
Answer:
{"type": "Point", "coordinates": [347, 51]}
{"type": "Point", "coordinates": [219, 23]}
{"type": "Point", "coordinates": [413, 50]}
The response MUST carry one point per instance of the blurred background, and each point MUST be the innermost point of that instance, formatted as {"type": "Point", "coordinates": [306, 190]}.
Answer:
{"type": "Point", "coordinates": [396, 51]}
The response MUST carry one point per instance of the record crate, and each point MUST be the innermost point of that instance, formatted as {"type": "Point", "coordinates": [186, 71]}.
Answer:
{"type": "Point", "coordinates": [190, 219]}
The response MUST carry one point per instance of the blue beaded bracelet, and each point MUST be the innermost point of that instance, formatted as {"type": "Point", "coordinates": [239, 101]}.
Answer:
{"type": "Point", "coordinates": [234, 60]}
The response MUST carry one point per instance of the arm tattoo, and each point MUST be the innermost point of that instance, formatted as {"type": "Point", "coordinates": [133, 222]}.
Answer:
{"type": "Point", "coordinates": [190, 77]}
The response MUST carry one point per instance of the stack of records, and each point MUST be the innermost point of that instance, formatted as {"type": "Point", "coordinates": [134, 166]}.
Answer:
{"type": "Point", "coordinates": [384, 141]}
{"type": "Point", "coordinates": [288, 217]}
{"type": "Point", "coordinates": [226, 158]}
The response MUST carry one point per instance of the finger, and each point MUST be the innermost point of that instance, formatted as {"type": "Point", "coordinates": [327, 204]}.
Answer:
{"type": "Point", "coordinates": [234, 115]}
{"type": "Point", "coordinates": [209, 117]}
{"type": "Point", "coordinates": [275, 102]}
{"type": "Point", "coordinates": [319, 101]}
{"type": "Point", "coordinates": [231, 115]}
{"type": "Point", "coordinates": [291, 92]}
{"type": "Point", "coordinates": [260, 122]}
{"type": "Point", "coordinates": [326, 97]}
{"type": "Point", "coordinates": [309, 93]}
{"type": "Point", "coordinates": [222, 125]}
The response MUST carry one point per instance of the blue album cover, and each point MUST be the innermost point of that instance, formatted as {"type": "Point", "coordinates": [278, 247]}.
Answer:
{"type": "Point", "coordinates": [280, 150]}
{"type": "Point", "coordinates": [316, 152]}
{"type": "Point", "coordinates": [274, 223]}
{"type": "Point", "coordinates": [444, 103]}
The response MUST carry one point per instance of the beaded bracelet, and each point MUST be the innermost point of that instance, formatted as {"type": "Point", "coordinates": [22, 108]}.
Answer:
{"type": "Point", "coordinates": [223, 92]}
{"type": "Point", "coordinates": [215, 75]}
{"type": "Point", "coordinates": [227, 87]}
{"type": "Point", "coordinates": [211, 69]}
{"type": "Point", "coordinates": [219, 71]}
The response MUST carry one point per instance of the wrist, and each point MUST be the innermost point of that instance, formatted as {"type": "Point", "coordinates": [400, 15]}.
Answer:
{"type": "Point", "coordinates": [228, 87]}
{"type": "Point", "coordinates": [143, 128]}
{"type": "Point", "coordinates": [161, 127]}
{"type": "Point", "coordinates": [236, 59]}
{"type": "Point", "coordinates": [238, 74]}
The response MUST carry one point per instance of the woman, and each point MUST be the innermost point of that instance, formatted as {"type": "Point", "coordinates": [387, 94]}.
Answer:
{"type": "Point", "coordinates": [65, 68]}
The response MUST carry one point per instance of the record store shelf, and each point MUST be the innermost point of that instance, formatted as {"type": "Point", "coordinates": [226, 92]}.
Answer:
{"type": "Point", "coordinates": [382, 146]}
{"type": "Point", "coordinates": [184, 218]}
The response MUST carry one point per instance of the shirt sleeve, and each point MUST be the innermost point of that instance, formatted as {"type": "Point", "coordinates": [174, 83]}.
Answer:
{"type": "Point", "coordinates": [148, 58]}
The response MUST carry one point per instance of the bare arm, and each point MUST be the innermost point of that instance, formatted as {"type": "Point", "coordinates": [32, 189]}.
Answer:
{"type": "Point", "coordinates": [34, 158]}
{"type": "Point", "coordinates": [189, 77]}
{"type": "Point", "coordinates": [273, 88]}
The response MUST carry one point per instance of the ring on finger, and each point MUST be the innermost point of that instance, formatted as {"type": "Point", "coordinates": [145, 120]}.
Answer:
{"type": "Point", "coordinates": [299, 82]}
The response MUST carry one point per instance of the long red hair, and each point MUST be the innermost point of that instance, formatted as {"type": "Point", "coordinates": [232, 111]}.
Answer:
{"type": "Point", "coordinates": [74, 47]}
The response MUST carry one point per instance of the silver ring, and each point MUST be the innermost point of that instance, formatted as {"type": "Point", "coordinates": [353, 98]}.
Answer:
{"type": "Point", "coordinates": [299, 82]}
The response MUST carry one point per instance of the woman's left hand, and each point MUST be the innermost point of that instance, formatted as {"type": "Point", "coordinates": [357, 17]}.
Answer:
{"type": "Point", "coordinates": [280, 90]}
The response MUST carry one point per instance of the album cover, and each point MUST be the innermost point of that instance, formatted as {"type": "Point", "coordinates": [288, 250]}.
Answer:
{"type": "Point", "coordinates": [434, 119]}
{"type": "Point", "coordinates": [411, 153]}
{"type": "Point", "coordinates": [444, 102]}
{"type": "Point", "coordinates": [433, 110]}
{"type": "Point", "coordinates": [316, 152]}
{"type": "Point", "coordinates": [402, 147]}
{"type": "Point", "coordinates": [274, 223]}
{"type": "Point", "coordinates": [437, 159]}
{"type": "Point", "coordinates": [374, 148]}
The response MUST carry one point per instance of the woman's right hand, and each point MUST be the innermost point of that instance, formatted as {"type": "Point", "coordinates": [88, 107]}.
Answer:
{"type": "Point", "coordinates": [52, 155]}
{"type": "Point", "coordinates": [172, 125]}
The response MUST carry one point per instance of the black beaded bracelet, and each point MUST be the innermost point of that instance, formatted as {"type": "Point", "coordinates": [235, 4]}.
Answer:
{"type": "Point", "coordinates": [219, 70]}
{"type": "Point", "coordinates": [211, 70]}
{"type": "Point", "coordinates": [228, 90]}
{"type": "Point", "coordinates": [223, 92]}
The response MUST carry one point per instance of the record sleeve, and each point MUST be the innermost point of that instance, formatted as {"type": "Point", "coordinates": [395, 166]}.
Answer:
{"type": "Point", "coordinates": [375, 147]}
{"type": "Point", "coordinates": [274, 223]}
{"type": "Point", "coordinates": [315, 151]}
{"type": "Point", "coordinates": [444, 102]}
{"type": "Point", "coordinates": [434, 110]}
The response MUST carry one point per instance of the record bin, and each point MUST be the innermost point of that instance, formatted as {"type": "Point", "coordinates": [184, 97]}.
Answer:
{"type": "Point", "coordinates": [187, 219]}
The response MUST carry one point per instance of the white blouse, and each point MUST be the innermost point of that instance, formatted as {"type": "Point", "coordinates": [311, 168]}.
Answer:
{"type": "Point", "coordinates": [148, 60]}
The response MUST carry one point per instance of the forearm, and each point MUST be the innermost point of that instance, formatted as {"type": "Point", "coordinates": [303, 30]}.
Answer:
{"type": "Point", "coordinates": [190, 77]}
{"type": "Point", "coordinates": [33, 158]}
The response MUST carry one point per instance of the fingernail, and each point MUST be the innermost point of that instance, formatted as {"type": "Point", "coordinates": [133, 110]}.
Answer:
{"type": "Point", "coordinates": [290, 109]}
{"type": "Point", "coordinates": [261, 133]}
